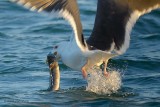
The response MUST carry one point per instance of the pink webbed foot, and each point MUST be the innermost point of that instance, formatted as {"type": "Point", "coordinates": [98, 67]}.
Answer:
{"type": "Point", "coordinates": [106, 74]}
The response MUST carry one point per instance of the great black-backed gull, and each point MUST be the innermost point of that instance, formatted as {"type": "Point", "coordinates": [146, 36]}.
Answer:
{"type": "Point", "coordinates": [111, 33]}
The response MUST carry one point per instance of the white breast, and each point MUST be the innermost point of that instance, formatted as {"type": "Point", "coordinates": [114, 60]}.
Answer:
{"type": "Point", "coordinates": [72, 56]}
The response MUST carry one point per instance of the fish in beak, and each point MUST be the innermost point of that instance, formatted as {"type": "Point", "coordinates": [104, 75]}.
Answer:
{"type": "Point", "coordinates": [54, 81]}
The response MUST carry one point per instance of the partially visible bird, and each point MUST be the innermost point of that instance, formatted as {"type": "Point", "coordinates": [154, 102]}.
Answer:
{"type": "Point", "coordinates": [111, 33]}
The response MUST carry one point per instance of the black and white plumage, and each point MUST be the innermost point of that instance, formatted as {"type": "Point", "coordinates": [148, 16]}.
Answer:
{"type": "Point", "coordinates": [114, 22]}
{"type": "Point", "coordinates": [111, 33]}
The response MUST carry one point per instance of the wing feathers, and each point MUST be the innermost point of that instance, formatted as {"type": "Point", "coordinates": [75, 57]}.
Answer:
{"type": "Point", "coordinates": [114, 22]}
{"type": "Point", "coordinates": [68, 9]}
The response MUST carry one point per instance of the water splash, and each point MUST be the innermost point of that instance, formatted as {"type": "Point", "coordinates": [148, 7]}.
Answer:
{"type": "Point", "coordinates": [100, 84]}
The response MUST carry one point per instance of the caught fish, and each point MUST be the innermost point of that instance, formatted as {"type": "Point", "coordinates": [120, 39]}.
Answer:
{"type": "Point", "coordinates": [54, 81]}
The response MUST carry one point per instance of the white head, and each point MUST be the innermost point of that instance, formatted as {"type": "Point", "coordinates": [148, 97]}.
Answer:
{"type": "Point", "coordinates": [60, 49]}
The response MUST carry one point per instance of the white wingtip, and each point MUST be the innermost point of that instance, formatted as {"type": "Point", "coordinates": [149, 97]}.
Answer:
{"type": "Point", "coordinates": [40, 10]}
{"type": "Point", "coordinates": [28, 5]}
{"type": "Point", "coordinates": [33, 8]}
{"type": "Point", "coordinates": [21, 2]}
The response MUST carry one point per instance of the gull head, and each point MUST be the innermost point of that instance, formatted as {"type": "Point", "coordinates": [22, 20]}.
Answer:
{"type": "Point", "coordinates": [60, 49]}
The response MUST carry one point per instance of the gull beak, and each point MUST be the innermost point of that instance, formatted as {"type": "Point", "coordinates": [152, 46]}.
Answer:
{"type": "Point", "coordinates": [52, 61]}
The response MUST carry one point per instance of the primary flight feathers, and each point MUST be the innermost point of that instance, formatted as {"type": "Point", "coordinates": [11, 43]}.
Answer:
{"type": "Point", "coordinates": [68, 9]}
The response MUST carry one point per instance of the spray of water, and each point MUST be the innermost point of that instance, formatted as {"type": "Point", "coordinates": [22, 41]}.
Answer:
{"type": "Point", "coordinates": [100, 84]}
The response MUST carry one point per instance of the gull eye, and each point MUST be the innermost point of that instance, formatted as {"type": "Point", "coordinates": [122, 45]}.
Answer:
{"type": "Point", "coordinates": [55, 47]}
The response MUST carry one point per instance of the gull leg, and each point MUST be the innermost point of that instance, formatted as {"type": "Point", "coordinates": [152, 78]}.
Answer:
{"type": "Point", "coordinates": [84, 72]}
{"type": "Point", "coordinates": [105, 72]}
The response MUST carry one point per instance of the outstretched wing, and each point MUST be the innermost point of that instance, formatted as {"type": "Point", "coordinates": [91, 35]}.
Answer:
{"type": "Point", "coordinates": [68, 9]}
{"type": "Point", "coordinates": [114, 22]}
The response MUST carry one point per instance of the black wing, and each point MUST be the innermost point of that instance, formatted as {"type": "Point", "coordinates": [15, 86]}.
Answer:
{"type": "Point", "coordinates": [109, 27]}
{"type": "Point", "coordinates": [114, 22]}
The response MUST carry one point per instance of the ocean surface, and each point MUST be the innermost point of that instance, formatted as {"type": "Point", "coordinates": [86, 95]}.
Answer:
{"type": "Point", "coordinates": [27, 37]}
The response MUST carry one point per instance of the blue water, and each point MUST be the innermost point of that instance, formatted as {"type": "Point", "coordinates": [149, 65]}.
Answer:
{"type": "Point", "coordinates": [26, 38]}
